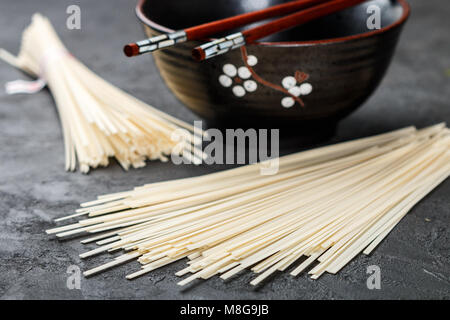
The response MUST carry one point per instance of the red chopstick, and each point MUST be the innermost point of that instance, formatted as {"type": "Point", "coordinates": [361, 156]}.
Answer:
{"type": "Point", "coordinates": [207, 29]}
{"type": "Point", "coordinates": [223, 45]}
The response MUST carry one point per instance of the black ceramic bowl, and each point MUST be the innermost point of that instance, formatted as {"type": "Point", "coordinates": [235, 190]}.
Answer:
{"type": "Point", "coordinates": [313, 74]}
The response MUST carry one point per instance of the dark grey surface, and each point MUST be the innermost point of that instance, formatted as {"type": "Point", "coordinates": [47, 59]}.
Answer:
{"type": "Point", "coordinates": [34, 189]}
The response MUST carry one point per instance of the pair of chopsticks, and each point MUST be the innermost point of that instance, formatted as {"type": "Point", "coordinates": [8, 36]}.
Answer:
{"type": "Point", "coordinates": [300, 12]}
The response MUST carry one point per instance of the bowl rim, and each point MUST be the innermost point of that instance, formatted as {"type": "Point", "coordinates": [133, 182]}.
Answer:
{"type": "Point", "coordinates": [403, 3]}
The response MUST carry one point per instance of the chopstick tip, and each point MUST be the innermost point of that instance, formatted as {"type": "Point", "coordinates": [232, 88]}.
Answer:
{"type": "Point", "coordinates": [131, 50]}
{"type": "Point", "coordinates": [198, 54]}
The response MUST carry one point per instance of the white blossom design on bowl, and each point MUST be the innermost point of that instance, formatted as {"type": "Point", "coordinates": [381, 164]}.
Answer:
{"type": "Point", "coordinates": [296, 87]}
{"type": "Point", "coordinates": [244, 79]}
{"type": "Point", "coordinates": [239, 78]}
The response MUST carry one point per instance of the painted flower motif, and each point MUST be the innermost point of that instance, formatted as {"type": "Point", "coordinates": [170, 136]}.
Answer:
{"type": "Point", "coordinates": [244, 79]}
{"type": "Point", "coordinates": [296, 86]}
{"type": "Point", "coordinates": [239, 78]}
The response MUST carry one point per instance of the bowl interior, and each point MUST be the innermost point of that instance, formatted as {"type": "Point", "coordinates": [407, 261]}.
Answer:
{"type": "Point", "coordinates": [176, 14]}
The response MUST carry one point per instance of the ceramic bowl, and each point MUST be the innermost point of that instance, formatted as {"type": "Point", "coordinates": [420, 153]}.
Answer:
{"type": "Point", "coordinates": [316, 73]}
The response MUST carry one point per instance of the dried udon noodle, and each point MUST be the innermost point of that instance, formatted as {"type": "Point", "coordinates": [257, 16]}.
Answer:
{"type": "Point", "coordinates": [323, 207]}
{"type": "Point", "coordinates": [98, 119]}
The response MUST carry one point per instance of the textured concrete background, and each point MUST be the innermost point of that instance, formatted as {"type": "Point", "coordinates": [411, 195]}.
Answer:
{"type": "Point", "coordinates": [34, 189]}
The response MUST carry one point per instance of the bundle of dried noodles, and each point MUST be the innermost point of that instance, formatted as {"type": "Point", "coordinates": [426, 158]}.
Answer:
{"type": "Point", "coordinates": [323, 207]}
{"type": "Point", "coordinates": [98, 119]}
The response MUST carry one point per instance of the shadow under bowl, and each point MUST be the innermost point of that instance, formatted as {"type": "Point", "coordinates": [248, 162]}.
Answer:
{"type": "Point", "coordinates": [311, 75]}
